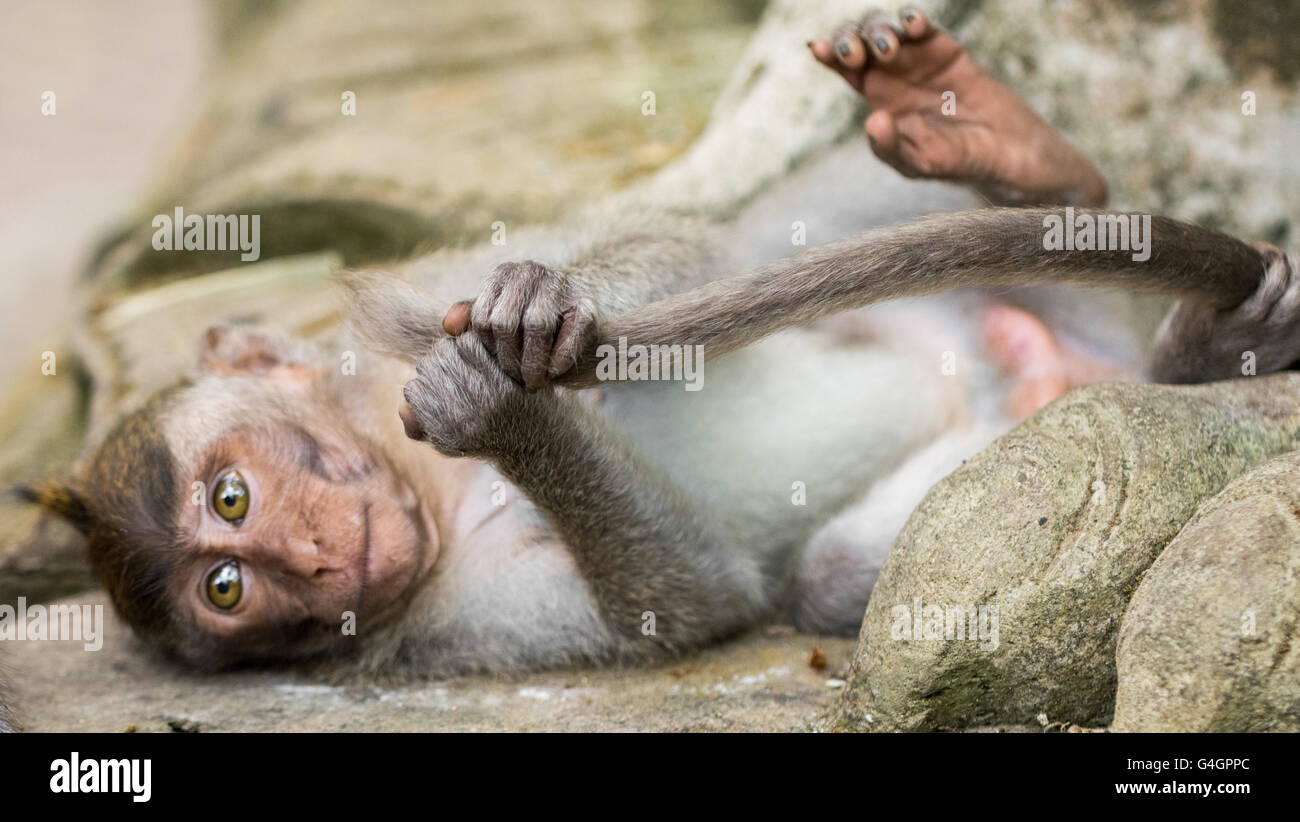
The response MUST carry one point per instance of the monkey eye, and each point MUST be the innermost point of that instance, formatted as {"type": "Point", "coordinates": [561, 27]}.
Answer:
{"type": "Point", "coordinates": [230, 499]}
{"type": "Point", "coordinates": [225, 586]}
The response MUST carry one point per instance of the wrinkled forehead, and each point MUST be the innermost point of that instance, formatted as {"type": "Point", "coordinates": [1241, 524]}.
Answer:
{"type": "Point", "coordinates": [202, 414]}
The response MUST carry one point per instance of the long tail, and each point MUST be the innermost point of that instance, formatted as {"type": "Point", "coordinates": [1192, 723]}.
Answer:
{"type": "Point", "coordinates": [995, 247]}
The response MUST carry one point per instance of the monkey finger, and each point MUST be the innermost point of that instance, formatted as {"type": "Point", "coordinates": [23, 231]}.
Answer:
{"type": "Point", "coordinates": [480, 315]}
{"type": "Point", "coordinates": [456, 321]}
{"type": "Point", "coordinates": [509, 353]}
{"type": "Point", "coordinates": [915, 23]}
{"type": "Point", "coordinates": [577, 331]}
{"type": "Point", "coordinates": [539, 336]}
{"type": "Point", "coordinates": [507, 332]}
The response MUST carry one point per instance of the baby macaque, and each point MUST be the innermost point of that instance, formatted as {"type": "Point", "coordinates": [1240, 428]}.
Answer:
{"type": "Point", "coordinates": [274, 509]}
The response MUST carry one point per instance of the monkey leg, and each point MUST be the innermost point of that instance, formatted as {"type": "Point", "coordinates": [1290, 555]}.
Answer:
{"type": "Point", "coordinates": [936, 113]}
{"type": "Point", "coordinates": [839, 565]}
{"type": "Point", "coordinates": [1022, 347]}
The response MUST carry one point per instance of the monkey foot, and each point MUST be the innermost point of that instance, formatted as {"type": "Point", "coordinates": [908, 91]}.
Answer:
{"type": "Point", "coordinates": [937, 114]}
{"type": "Point", "coordinates": [1022, 346]}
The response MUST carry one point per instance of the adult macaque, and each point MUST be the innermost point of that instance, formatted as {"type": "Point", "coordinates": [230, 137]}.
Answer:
{"type": "Point", "coordinates": [547, 526]}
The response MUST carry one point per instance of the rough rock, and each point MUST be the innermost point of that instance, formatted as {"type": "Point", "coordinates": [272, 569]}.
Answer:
{"type": "Point", "coordinates": [1210, 641]}
{"type": "Point", "coordinates": [1046, 534]}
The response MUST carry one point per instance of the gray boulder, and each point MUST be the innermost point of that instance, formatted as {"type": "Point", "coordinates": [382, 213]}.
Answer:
{"type": "Point", "coordinates": [1209, 640]}
{"type": "Point", "coordinates": [1022, 562]}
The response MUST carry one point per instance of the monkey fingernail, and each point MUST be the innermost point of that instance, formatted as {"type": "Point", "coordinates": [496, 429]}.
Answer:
{"type": "Point", "coordinates": [844, 48]}
{"type": "Point", "coordinates": [882, 44]}
{"type": "Point", "coordinates": [409, 423]}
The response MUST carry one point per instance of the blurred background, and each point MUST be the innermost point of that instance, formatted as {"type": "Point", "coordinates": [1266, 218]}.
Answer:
{"type": "Point", "coordinates": [126, 76]}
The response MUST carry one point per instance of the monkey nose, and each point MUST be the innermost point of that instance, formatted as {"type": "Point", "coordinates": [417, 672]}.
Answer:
{"type": "Point", "coordinates": [302, 557]}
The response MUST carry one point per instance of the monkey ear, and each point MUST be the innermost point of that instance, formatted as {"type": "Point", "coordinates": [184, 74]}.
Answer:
{"type": "Point", "coordinates": [61, 499]}
{"type": "Point", "coordinates": [232, 351]}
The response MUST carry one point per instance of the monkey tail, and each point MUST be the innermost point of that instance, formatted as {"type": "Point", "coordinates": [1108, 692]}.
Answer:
{"type": "Point", "coordinates": [995, 247]}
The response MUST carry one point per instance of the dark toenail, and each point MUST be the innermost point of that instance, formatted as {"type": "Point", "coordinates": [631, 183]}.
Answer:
{"type": "Point", "coordinates": [844, 48]}
{"type": "Point", "coordinates": [882, 44]}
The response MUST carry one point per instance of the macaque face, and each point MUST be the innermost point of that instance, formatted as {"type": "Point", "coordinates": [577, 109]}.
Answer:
{"type": "Point", "coordinates": [294, 529]}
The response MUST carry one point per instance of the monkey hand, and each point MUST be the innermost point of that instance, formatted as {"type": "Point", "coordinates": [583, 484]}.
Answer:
{"type": "Point", "coordinates": [462, 403]}
{"type": "Point", "coordinates": [536, 321]}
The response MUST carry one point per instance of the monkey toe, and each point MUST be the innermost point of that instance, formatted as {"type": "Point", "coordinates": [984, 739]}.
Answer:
{"type": "Point", "coordinates": [915, 24]}
{"type": "Point", "coordinates": [1028, 395]}
{"type": "Point", "coordinates": [1023, 347]}
{"type": "Point", "coordinates": [1017, 341]}
{"type": "Point", "coordinates": [849, 50]}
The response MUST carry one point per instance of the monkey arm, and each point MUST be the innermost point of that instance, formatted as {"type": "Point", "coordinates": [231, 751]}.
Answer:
{"type": "Point", "coordinates": [642, 549]}
{"type": "Point", "coordinates": [647, 556]}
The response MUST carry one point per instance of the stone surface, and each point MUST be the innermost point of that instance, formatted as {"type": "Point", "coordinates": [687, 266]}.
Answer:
{"type": "Point", "coordinates": [1210, 640]}
{"type": "Point", "coordinates": [760, 682]}
{"type": "Point", "coordinates": [1051, 528]}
